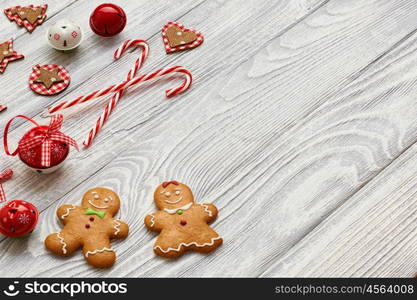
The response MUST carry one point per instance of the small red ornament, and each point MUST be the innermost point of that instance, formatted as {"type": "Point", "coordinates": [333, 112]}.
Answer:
{"type": "Point", "coordinates": [107, 20]}
{"type": "Point", "coordinates": [18, 218]}
{"type": "Point", "coordinates": [42, 148]}
{"type": "Point", "coordinates": [32, 157]}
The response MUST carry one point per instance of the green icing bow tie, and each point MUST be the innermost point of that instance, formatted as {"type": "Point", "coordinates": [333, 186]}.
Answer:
{"type": "Point", "coordinates": [91, 211]}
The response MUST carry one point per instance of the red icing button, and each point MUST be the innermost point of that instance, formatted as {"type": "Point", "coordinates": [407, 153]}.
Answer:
{"type": "Point", "coordinates": [183, 223]}
{"type": "Point", "coordinates": [87, 226]}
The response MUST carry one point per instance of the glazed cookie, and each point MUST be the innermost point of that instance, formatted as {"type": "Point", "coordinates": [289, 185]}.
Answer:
{"type": "Point", "coordinates": [182, 223]}
{"type": "Point", "coordinates": [90, 226]}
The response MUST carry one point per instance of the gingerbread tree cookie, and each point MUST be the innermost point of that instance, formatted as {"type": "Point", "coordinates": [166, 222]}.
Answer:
{"type": "Point", "coordinates": [183, 225]}
{"type": "Point", "coordinates": [28, 16]}
{"type": "Point", "coordinates": [90, 226]}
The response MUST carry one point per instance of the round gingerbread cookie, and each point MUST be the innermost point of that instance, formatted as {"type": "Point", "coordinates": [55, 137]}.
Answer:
{"type": "Point", "coordinates": [49, 79]}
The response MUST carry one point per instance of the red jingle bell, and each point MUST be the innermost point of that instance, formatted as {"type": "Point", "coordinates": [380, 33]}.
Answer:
{"type": "Point", "coordinates": [108, 20]}
{"type": "Point", "coordinates": [32, 157]}
{"type": "Point", "coordinates": [43, 148]}
{"type": "Point", "coordinates": [18, 218]}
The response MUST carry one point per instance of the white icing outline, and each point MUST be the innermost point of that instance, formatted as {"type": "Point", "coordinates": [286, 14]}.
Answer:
{"type": "Point", "coordinates": [96, 206]}
{"type": "Point", "coordinates": [206, 209]}
{"type": "Point", "coordinates": [173, 202]}
{"type": "Point", "coordinates": [99, 251]}
{"type": "Point", "coordinates": [67, 212]}
{"type": "Point", "coordinates": [173, 211]}
{"type": "Point", "coordinates": [188, 245]}
{"type": "Point", "coordinates": [152, 220]}
{"type": "Point", "coordinates": [116, 226]}
{"type": "Point", "coordinates": [62, 241]}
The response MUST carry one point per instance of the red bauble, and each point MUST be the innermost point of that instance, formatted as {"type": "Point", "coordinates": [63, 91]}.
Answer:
{"type": "Point", "coordinates": [18, 218]}
{"type": "Point", "coordinates": [32, 157]}
{"type": "Point", "coordinates": [108, 20]}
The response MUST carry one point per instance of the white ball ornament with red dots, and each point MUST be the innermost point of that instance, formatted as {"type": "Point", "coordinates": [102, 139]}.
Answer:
{"type": "Point", "coordinates": [64, 35]}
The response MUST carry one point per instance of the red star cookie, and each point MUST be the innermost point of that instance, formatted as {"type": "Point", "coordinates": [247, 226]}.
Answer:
{"type": "Point", "coordinates": [7, 54]}
{"type": "Point", "coordinates": [176, 37]}
{"type": "Point", "coordinates": [49, 79]}
{"type": "Point", "coordinates": [27, 16]}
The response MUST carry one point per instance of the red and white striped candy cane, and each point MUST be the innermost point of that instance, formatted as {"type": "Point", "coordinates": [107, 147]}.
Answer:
{"type": "Point", "coordinates": [5, 175]}
{"type": "Point", "coordinates": [115, 99]}
{"type": "Point", "coordinates": [135, 80]}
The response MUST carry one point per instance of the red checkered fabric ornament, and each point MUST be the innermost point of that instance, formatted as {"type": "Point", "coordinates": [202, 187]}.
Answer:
{"type": "Point", "coordinates": [58, 84]}
{"type": "Point", "coordinates": [7, 54]}
{"type": "Point", "coordinates": [41, 147]}
{"type": "Point", "coordinates": [177, 37]}
{"type": "Point", "coordinates": [28, 16]}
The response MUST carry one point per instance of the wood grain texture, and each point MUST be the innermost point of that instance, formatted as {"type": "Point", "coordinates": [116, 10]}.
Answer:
{"type": "Point", "coordinates": [292, 112]}
{"type": "Point", "coordinates": [371, 235]}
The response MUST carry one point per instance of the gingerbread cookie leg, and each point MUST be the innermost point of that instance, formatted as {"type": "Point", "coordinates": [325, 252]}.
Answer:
{"type": "Point", "coordinates": [98, 252]}
{"type": "Point", "coordinates": [209, 246]}
{"type": "Point", "coordinates": [170, 248]}
{"type": "Point", "coordinates": [62, 243]}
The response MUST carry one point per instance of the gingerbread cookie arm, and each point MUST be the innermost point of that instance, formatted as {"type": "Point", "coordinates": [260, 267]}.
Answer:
{"type": "Point", "coordinates": [65, 211]}
{"type": "Point", "coordinates": [153, 221]}
{"type": "Point", "coordinates": [63, 243]}
{"type": "Point", "coordinates": [120, 230]}
{"type": "Point", "coordinates": [210, 212]}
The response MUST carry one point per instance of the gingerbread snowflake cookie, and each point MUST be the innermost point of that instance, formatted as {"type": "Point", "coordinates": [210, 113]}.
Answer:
{"type": "Point", "coordinates": [90, 226]}
{"type": "Point", "coordinates": [183, 224]}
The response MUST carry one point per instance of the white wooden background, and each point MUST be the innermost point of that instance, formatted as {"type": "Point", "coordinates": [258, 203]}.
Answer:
{"type": "Point", "coordinates": [300, 126]}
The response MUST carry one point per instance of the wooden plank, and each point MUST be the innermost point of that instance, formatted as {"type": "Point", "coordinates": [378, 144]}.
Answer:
{"type": "Point", "coordinates": [371, 235]}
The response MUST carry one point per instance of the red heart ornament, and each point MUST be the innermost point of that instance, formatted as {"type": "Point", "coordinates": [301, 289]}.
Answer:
{"type": "Point", "coordinates": [177, 37]}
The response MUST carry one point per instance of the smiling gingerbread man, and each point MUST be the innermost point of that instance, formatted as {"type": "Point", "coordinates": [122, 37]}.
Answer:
{"type": "Point", "coordinates": [183, 225]}
{"type": "Point", "coordinates": [90, 226]}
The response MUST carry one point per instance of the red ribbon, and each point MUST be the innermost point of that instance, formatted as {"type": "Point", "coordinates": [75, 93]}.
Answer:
{"type": "Point", "coordinates": [5, 175]}
{"type": "Point", "coordinates": [52, 134]}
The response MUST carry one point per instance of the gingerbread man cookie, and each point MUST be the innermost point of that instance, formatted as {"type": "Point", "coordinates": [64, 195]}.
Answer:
{"type": "Point", "coordinates": [183, 225]}
{"type": "Point", "coordinates": [90, 226]}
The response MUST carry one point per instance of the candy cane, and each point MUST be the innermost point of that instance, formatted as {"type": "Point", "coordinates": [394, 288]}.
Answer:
{"type": "Point", "coordinates": [115, 99]}
{"type": "Point", "coordinates": [5, 175]}
{"type": "Point", "coordinates": [125, 84]}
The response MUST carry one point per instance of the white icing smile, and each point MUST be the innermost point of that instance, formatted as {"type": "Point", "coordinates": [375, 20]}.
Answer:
{"type": "Point", "coordinates": [173, 211]}
{"type": "Point", "coordinates": [173, 201]}
{"type": "Point", "coordinates": [97, 206]}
